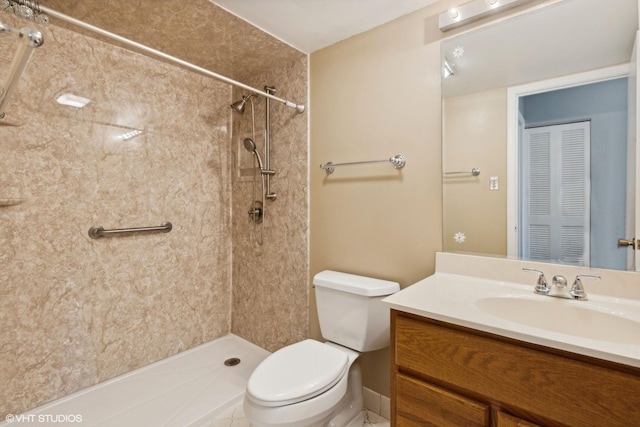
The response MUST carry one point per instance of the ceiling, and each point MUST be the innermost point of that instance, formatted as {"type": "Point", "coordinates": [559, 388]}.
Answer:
{"type": "Point", "coordinates": [309, 25]}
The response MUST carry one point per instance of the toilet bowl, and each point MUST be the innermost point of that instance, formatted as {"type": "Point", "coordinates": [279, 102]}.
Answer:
{"type": "Point", "coordinates": [302, 384]}
{"type": "Point", "coordinates": [312, 383]}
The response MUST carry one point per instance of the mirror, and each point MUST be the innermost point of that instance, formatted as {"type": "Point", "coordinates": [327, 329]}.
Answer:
{"type": "Point", "coordinates": [512, 83]}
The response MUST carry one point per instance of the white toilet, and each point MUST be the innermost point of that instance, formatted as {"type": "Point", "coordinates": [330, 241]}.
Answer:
{"type": "Point", "coordinates": [319, 384]}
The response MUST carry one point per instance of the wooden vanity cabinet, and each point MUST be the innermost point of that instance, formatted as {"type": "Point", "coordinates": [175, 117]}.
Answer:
{"type": "Point", "coordinates": [446, 375]}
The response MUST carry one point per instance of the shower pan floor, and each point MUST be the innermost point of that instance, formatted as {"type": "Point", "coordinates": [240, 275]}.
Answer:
{"type": "Point", "coordinates": [189, 389]}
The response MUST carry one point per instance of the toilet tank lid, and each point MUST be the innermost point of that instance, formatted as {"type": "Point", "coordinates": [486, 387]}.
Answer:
{"type": "Point", "coordinates": [355, 284]}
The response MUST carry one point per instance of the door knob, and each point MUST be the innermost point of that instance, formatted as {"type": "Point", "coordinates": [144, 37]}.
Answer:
{"type": "Point", "coordinates": [625, 242]}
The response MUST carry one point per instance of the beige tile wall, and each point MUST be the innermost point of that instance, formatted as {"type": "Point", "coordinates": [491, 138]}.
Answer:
{"type": "Point", "coordinates": [77, 311]}
{"type": "Point", "coordinates": [270, 281]}
{"type": "Point", "coordinates": [197, 31]}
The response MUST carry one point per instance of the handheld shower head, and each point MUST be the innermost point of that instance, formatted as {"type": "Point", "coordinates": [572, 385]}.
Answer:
{"type": "Point", "coordinates": [250, 145]}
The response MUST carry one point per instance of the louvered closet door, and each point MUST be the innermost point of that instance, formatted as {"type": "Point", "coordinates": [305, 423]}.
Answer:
{"type": "Point", "coordinates": [555, 189]}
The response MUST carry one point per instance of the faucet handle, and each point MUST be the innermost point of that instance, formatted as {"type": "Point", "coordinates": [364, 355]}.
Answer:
{"type": "Point", "coordinates": [577, 290]}
{"type": "Point", "coordinates": [559, 281]}
{"type": "Point", "coordinates": [542, 286]}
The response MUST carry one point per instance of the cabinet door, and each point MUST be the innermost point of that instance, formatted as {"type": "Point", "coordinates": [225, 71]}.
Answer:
{"type": "Point", "coordinates": [505, 420]}
{"type": "Point", "coordinates": [536, 382]}
{"type": "Point", "coordinates": [422, 404]}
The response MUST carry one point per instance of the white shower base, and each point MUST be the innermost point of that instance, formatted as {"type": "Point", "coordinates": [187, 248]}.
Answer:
{"type": "Point", "coordinates": [188, 389]}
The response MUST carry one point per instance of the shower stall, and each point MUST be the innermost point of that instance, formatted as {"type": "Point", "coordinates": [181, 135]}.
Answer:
{"type": "Point", "coordinates": [151, 142]}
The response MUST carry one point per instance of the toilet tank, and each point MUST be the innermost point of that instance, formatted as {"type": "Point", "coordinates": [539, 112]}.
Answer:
{"type": "Point", "coordinates": [350, 309]}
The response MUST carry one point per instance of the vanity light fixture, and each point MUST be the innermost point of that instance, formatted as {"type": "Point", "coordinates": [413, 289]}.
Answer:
{"type": "Point", "coordinates": [71, 100]}
{"type": "Point", "coordinates": [474, 10]}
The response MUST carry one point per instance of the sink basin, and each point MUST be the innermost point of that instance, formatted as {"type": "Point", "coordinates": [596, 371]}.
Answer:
{"type": "Point", "coordinates": [607, 326]}
{"type": "Point", "coordinates": [565, 317]}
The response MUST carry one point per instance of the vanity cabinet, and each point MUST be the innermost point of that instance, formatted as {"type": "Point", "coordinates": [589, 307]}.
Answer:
{"type": "Point", "coordinates": [446, 375]}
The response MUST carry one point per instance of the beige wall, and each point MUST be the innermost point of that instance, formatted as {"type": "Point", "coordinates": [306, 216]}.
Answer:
{"type": "Point", "coordinates": [475, 135]}
{"type": "Point", "coordinates": [373, 96]}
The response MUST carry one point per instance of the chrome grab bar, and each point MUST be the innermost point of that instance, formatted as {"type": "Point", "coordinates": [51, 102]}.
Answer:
{"type": "Point", "coordinates": [473, 172]}
{"type": "Point", "coordinates": [398, 161]}
{"type": "Point", "coordinates": [97, 232]}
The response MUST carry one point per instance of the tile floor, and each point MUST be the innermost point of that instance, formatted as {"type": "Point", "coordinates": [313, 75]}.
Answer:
{"type": "Point", "coordinates": [234, 417]}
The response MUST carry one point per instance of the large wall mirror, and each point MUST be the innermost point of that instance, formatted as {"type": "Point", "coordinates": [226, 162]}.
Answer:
{"type": "Point", "coordinates": [539, 136]}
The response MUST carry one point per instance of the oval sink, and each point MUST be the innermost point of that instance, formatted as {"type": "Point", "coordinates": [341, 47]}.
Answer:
{"type": "Point", "coordinates": [565, 317]}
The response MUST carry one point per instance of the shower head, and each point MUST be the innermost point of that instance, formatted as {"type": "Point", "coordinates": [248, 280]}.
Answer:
{"type": "Point", "coordinates": [238, 106]}
{"type": "Point", "coordinates": [250, 145]}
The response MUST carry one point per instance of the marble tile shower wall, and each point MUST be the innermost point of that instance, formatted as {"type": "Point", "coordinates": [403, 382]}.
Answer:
{"type": "Point", "coordinates": [271, 281]}
{"type": "Point", "coordinates": [76, 311]}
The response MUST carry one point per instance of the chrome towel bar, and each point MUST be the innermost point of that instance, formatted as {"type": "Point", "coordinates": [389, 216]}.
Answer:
{"type": "Point", "coordinates": [398, 161]}
{"type": "Point", "coordinates": [97, 232]}
{"type": "Point", "coordinates": [473, 172]}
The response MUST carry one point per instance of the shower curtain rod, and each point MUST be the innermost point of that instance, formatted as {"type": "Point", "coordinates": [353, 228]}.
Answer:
{"type": "Point", "coordinates": [53, 13]}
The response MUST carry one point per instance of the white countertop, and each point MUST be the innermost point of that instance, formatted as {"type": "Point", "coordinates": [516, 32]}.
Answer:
{"type": "Point", "coordinates": [458, 299]}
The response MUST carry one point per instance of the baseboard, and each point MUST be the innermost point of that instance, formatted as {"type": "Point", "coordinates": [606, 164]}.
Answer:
{"type": "Point", "coordinates": [375, 402]}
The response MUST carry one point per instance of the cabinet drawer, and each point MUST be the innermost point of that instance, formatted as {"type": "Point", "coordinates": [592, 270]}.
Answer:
{"type": "Point", "coordinates": [424, 404]}
{"type": "Point", "coordinates": [558, 389]}
{"type": "Point", "coordinates": [505, 420]}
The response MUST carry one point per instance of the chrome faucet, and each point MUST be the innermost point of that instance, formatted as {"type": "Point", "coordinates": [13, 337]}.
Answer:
{"type": "Point", "coordinates": [577, 290]}
{"type": "Point", "coordinates": [559, 283]}
{"type": "Point", "coordinates": [559, 286]}
{"type": "Point", "coordinates": [542, 286]}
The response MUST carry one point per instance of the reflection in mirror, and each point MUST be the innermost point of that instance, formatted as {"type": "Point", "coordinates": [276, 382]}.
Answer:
{"type": "Point", "coordinates": [543, 104]}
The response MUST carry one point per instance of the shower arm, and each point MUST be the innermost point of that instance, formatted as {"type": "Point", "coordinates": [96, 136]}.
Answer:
{"type": "Point", "coordinates": [300, 108]}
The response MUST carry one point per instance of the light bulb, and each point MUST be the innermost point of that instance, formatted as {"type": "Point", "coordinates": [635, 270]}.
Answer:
{"type": "Point", "coordinates": [453, 12]}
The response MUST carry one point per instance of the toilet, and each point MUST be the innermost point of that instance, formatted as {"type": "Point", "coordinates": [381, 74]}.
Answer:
{"type": "Point", "coordinates": [314, 383]}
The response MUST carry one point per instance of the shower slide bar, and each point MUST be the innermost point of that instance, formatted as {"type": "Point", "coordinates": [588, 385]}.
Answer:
{"type": "Point", "coordinates": [29, 39]}
{"type": "Point", "coordinates": [140, 47]}
{"type": "Point", "coordinates": [398, 161]}
{"type": "Point", "coordinates": [97, 232]}
{"type": "Point", "coordinates": [473, 172]}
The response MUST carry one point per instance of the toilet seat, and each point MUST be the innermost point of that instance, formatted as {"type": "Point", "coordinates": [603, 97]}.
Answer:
{"type": "Point", "coordinates": [297, 372]}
